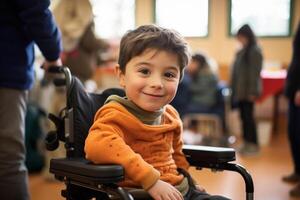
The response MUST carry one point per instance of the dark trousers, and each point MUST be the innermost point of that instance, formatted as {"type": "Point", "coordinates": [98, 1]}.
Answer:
{"type": "Point", "coordinates": [76, 192]}
{"type": "Point", "coordinates": [246, 109]}
{"type": "Point", "coordinates": [194, 194]}
{"type": "Point", "coordinates": [294, 133]}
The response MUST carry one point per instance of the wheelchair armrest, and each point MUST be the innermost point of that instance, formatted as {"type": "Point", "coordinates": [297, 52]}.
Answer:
{"type": "Point", "coordinates": [206, 156]}
{"type": "Point", "coordinates": [218, 158]}
{"type": "Point", "coordinates": [82, 170]}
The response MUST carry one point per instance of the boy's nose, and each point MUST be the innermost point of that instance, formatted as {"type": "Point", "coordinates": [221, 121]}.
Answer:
{"type": "Point", "coordinates": [156, 82]}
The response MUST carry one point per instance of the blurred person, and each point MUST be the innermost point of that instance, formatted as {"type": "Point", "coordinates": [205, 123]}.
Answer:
{"type": "Point", "coordinates": [200, 91]}
{"type": "Point", "coordinates": [82, 50]}
{"type": "Point", "coordinates": [292, 92]}
{"type": "Point", "coordinates": [203, 85]}
{"type": "Point", "coordinates": [246, 86]}
{"type": "Point", "coordinates": [197, 91]}
{"type": "Point", "coordinates": [182, 97]}
{"type": "Point", "coordinates": [23, 23]}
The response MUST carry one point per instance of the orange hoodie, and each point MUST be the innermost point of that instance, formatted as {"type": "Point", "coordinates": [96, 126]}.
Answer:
{"type": "Point", "coordinates": [147, 152]}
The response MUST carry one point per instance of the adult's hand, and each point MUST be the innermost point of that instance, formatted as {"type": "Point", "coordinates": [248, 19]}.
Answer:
{"type": "Point", "coordinates": [47, 64]}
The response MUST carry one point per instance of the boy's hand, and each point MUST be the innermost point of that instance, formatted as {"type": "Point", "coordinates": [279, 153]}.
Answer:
{"type": "Point", "coordinates": [164, 191]}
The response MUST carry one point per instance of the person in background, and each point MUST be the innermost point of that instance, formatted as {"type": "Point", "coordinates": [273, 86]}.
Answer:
{"type": "Point", "coordinates": [23, 24]}
{"type": "Point", "coordinates": [246, 86]}
{"type": "Point", "coordinates": [203, 86]}
{"type": "Point", "coordinates": [182, 97]}
{"type": "Point", "coordinates": [82, 50]}
{"type": "Point", "coordinates": [197, 91]}
{"type": "Point", "coordinates": [292, 92]}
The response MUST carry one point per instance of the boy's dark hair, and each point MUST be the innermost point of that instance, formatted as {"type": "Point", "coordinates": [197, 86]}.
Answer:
{"type": "Point", "coordinates": [136, 41]}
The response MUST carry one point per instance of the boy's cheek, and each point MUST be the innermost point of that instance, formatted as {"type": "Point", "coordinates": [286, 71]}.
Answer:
{"type": "Point", "coordinates": [174, 89]}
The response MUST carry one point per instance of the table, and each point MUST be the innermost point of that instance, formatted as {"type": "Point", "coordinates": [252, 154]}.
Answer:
{"type": "Point", "coordinates": [273, 85]}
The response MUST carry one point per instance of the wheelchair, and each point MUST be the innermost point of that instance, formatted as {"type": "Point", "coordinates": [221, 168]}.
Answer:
{"type": "Point", "coordinates": [85, 180]}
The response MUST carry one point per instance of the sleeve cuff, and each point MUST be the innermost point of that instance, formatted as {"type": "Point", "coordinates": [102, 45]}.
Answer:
{"type": "Point", "coordinates": [150, 179]}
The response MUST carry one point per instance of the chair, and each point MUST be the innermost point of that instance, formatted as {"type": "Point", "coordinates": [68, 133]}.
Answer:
{"type": "Point", "coordinates": [208, 125]}
{"type": "Point", "coordinates": [212, 121]}
{"type": "Point", "coordinates": [85, 180]}
{"type": "Point", "coordinates": [219, 108]}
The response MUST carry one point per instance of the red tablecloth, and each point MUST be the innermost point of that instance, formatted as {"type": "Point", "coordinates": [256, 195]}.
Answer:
{"type": "Point", "coordinates": [272, 82]}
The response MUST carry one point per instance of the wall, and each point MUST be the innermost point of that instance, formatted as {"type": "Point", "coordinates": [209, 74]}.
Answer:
{"type": "Point", "coordinates": [218, 44]}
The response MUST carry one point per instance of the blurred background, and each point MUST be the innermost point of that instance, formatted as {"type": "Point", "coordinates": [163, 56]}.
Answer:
{"type": "Point", "coordinates": [91, 34]}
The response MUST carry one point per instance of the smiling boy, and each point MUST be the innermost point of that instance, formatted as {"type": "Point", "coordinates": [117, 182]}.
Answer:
{"type": "Point", "coordinates": [141, 131]}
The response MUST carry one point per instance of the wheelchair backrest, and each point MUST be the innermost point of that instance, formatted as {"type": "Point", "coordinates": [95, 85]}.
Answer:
{"type": "Point", "coordinates": [82, 107]}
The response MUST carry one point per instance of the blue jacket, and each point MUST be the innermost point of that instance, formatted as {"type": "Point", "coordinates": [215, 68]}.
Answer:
{"type": "Point", "coordinates": [23, 23]}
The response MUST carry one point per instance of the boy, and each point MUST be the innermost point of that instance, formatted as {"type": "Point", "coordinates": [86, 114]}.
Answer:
{"type": "Point", "coordinates": [141, 131]}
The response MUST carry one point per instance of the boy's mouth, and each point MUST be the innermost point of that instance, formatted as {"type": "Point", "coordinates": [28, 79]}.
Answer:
{"type": "Point", "coordinates": [153, 95]}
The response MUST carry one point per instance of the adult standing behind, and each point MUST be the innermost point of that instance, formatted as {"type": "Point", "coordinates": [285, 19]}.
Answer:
{"type": "Point", "coordinates": [246, 86]}
{"type": "Point", "coordinates": [23, 23]}
{"type": "Point", "coordinates": [292, 91]}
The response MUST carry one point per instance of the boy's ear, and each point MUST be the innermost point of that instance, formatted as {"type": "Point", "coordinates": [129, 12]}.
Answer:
{"type": "Point", "coordinates": [120, 75]}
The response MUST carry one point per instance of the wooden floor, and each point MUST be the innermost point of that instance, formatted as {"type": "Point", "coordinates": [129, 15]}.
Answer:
{"type": "Point", "coordinates": [267, 168]}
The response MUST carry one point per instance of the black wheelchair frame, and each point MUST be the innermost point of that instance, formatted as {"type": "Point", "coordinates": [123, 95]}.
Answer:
{"type": "Point", "coordinates": [85, 180]}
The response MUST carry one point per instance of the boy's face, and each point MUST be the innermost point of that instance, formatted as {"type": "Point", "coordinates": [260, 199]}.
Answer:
{"type": "Point", "coordinates": [151, 79]}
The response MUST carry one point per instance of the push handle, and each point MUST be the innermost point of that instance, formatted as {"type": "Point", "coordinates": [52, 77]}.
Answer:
{"type": "Point", "coordinates": [55, 69]}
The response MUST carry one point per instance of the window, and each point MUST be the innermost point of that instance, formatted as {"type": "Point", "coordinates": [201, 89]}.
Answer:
{"type": "Point", "coordinates": [188, 17]}
{"type": "Point", "coordinates": [267, 17]}
{"type": "Point", "coordinates": [114, 17]}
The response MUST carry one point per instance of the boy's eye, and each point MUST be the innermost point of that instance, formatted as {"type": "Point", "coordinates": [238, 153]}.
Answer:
{"type": "Point", "coordinates": [170, 75]}
{"type": "Point", "coordinates": [144, 71]}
